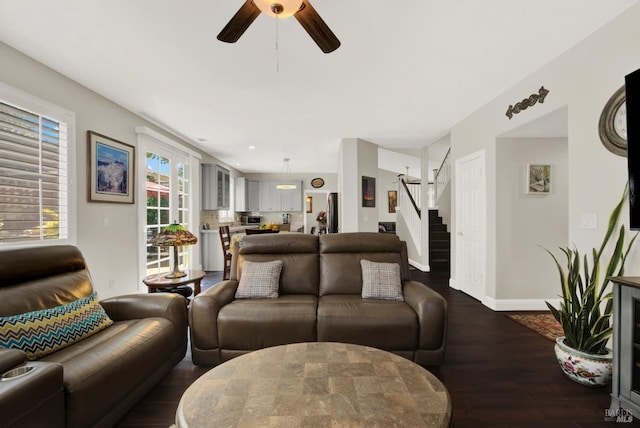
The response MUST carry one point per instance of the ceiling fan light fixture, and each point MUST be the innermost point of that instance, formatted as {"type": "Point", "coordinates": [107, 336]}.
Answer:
{"type": "Point", "coordinates": [279, 8]}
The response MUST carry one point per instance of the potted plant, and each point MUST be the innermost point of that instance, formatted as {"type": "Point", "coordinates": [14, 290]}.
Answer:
{"type": "Point", "coordinates": [586, 307]}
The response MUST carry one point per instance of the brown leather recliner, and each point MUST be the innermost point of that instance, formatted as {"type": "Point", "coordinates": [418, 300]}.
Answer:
{"type": "Point", "coordinates": [95, 381]}
{"type": "Point", "coordinates": [319, 300]}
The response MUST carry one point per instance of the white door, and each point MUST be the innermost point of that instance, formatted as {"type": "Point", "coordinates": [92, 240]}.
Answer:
{"type": "Point", "coordinates": [471, 225]}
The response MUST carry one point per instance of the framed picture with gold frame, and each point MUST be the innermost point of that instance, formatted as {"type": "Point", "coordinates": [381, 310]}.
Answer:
{"type": "Point", "coordinates": [309, 204]}
{"type": "Point", "coordinates": [393, 200]}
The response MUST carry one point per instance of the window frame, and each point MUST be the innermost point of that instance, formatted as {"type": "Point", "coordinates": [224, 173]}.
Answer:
{"type": "Point", "coordinates": [26, 101]}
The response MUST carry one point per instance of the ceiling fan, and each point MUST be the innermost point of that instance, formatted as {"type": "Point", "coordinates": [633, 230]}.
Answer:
{"type": "Point", "coordinates": [302, 10]}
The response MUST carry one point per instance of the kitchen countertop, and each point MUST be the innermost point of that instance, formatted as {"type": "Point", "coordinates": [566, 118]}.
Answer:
{"type": "Point", "coordinates": [232, 229]}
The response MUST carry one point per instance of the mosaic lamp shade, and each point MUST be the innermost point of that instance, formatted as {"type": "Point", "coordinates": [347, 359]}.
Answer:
{"type": "Point", "coordinates": [175, 235]}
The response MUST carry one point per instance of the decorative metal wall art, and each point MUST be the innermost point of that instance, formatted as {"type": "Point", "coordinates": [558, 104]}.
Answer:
{"type": "Point", "coordinates": [527, 102]}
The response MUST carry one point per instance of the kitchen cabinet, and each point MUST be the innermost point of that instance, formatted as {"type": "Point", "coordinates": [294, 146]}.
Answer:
{"type": "Point", "coordinates": [291, 200]}
{"type": "Point", "coordinates": [273, 199]}
{"type": "Point", "coordinates": [625, 386]}
{"type": "Point", "coordinates": [212, 257]}
{"type": "Point", "coordinates": [216, 187]}
{"type": "Point", "coordinates": [247, 194]}
{"type": "Point", "coordinates": [266, 197]}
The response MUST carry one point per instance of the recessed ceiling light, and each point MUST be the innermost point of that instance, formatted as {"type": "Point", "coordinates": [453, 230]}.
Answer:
{"type": "Point", "coordinates": [252, 147]}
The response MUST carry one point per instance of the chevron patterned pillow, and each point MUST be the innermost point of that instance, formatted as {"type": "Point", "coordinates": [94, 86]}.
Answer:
{"type": "Point", "coordinates": [42, 332]}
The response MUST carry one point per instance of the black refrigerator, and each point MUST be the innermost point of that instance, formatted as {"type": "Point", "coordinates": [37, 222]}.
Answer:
{"type": "Point", "coordinates": [332, 213]}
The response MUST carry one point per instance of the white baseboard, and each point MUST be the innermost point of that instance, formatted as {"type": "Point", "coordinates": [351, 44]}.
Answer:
{"type": "Point", "coordinates": [512, 304]}
{"type": "Point", "coordinates": [519, 304]}
{"type": "Point", "coordinates": [419, 266]}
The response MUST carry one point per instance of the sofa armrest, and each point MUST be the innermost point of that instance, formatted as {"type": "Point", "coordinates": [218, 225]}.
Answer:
{"type": "Point", "coordinates": [34, 399]}
{"type": "Point", "coordinates": [431, 309]}
{"type": "Point", "coordinates": [10, 358]}
{"type": "Point", "coordinates": [203, 313]}
{"type": "Point", "coordinates": [137, 306]}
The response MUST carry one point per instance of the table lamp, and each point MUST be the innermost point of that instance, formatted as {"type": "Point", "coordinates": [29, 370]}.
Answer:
{"type": "Point", "coordinates": [174, 235]}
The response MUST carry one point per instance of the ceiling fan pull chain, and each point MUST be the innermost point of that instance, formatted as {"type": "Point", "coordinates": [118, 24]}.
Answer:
{"type": "Point", "coordinates": [277, 52]}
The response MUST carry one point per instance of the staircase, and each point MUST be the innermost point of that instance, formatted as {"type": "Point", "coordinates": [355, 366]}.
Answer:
{"type": "Point", "coordinates": [439, 244]}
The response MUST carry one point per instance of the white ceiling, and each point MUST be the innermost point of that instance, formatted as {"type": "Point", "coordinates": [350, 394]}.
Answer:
{"type": "Point", "coordinates": [405, 74]}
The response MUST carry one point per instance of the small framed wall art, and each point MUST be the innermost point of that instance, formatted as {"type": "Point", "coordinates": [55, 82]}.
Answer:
{"type": "Point", "coordinates": [393, 200]}
{"type": "Point", "coordinates": [309, 204]}
{"type": "Point", "coordinates": [538, 179]}
{"type": "Point", "coordinates": [368, 192]}
{"type": "Point", "coordinates": [110, 169]}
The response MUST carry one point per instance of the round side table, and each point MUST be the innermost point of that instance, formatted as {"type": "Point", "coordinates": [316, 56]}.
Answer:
{"type": "Point", "coordinates": [157, 281]}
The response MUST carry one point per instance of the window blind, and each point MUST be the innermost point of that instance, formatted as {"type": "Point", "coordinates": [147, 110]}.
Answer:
{"type": "Point", "coordinates": [33, 176]}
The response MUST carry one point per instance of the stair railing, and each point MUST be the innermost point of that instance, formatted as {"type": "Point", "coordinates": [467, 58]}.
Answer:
{"type": "Point", "coordinates": [408, 204]}
{"type": "Point", "coordinates": [442, 177]}
{"type": "Point", "coordinates": [412, 188]}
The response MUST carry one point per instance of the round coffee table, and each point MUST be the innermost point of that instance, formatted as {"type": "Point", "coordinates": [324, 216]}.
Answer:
{"type": "Point", "coordinates": [316, 384]}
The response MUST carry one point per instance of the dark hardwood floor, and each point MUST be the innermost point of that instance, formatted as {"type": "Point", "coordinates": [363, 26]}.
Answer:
{"type": "Point", "coordinates": [498, 373]}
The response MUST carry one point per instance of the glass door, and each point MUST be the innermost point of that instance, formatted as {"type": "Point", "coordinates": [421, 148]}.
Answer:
{"type": "Point", "coordinates": [168, 200]}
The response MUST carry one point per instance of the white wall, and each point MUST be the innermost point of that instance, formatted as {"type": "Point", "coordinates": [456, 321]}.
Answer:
{"type": "Point", "coordinates": [436, 153]}
{"type": "Point", "coordinates": [368, 167]}
{"type": "Point", "coordinates": [583, 79]}
{"type": "Point", "coordinates": [386, 182]}
{"type": "Point", "coordinates": [356, 158]}
{"type": "Point", "coordinates": [111, 250]}
{"type": "Point", "coordinates": [397, 163]}
{"type": "Point", "coordinates": [348, 201]}
{"type": "Point", "coordinates": [527, 222]}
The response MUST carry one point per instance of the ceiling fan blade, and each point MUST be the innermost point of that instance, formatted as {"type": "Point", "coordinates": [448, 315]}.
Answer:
{"type": "Point", "coordinates": [317, 28]}
{"type": "Point", "coordinates": [239, 23]}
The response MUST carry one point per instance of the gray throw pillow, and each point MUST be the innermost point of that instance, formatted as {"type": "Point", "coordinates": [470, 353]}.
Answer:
{"type": "Point", "coordinates": [381, 281]}
{"type": "Point", "coordinates": [259, 280]}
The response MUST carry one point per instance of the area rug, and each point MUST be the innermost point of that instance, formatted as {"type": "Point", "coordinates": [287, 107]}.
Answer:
{"type": "Point", "coordinates": [542, 323]}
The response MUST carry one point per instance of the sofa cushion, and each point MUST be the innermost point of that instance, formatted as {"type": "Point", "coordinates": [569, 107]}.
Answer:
{"type": "Point", "coordinates": [42, 332]}
{"type": "Point", "coordinates": [383, 324]}
{"type": "Point", "coordinates": [340, 256]}
{"type": "Point", "coordinates": [250, 324]}
{"type": "Point", "coordinates": [381, 281]}
{"type": "Point", "coordinates": [259, 280]}
{"type": "Point", "coordinates": [299, 255]}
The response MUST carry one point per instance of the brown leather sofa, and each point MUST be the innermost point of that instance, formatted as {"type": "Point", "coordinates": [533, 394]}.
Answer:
{"type": "Point", "coordinates": [319, 300]}
{"type": "Point", "coordinates": [93, 382]}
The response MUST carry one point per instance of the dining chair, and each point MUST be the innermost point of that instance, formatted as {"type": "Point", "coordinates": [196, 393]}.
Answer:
{"type": "Point", "coordinates": [225, 240]}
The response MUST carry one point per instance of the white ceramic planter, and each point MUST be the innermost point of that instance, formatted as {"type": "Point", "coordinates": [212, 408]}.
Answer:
{"type": "Point", "coordinates": [584, 368]}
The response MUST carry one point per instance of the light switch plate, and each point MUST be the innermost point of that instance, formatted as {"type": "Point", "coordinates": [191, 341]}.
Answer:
{"type": "Point", "coordinates": [589, 221]}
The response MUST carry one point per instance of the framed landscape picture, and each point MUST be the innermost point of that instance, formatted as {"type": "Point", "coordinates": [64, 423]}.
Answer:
{"type": "Point", "coordinates": [538, 179]}
{"type": "Point", "coordinates": [393, 200]}
{"type": "Point", "coordinates": [110, 169]}
{"type": "Point", "coordinates": [368, 191]}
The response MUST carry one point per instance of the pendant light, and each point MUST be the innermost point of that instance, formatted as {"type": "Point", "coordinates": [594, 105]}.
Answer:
{"type": "Point", "coordinates": [286, 182]}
